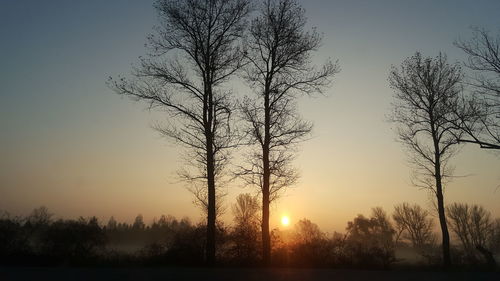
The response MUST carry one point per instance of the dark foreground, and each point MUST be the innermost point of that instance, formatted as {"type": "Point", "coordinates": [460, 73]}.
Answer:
{"type": "Point", "coordinates": [278, 274]}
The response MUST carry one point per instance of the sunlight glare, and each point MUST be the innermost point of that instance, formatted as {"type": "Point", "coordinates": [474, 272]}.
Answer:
{"type": "Point", "coordinates": [285, 221]}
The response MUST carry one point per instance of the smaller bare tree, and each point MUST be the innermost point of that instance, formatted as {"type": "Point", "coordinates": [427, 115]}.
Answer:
{"type": "Point", "coordinates": [475, 229]}
{"type": "Point", "coordinates": [371, 240]}
{"type": "Point", "coordinates": [112, 223]}
{"type": "Point", "coordinates": [307, 232]}
{"type": "Point", "coordinates": [414, 223]}
{"type": "Point", "coordinates": [308, 245]}
{"type": "Point", "coordinates": [40, 216]}
{"type": "Point", "coordinates": [246, 231]}
{"type": "Point", "coordinates": [246, 209]}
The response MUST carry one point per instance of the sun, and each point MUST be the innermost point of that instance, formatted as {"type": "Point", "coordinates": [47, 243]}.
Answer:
{"type": "Point", "coordinates": [285, 221]}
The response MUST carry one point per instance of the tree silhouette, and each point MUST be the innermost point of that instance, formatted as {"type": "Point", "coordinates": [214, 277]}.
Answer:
{"type": "Point", "coordinates": [139, 222]}
{"type": "Point", "coordinates": [245, 209]}
{"type": "Point", "coordinates": [426, 96]}
{"type": "Point", "coordinates": [370, 240]}
{"type": "Point", "coordinates": [73, 239]}
{"type": "Point", "coordinates": [480, 117]}
{"type": "Point", "coordinates": [40, 216]}
{"type": "Point", "coordinates": [309, 245]}
{"type": "Point", "coordinates": [414, 222]}
{"type": "Point", "coordinates": [112, 223]}
{"type": "Point", "coordinates": [279, 68]}
{"type": "Point", "coordinates": [245, 232]}
{"type": "Point", "coordinates": [475, 229]}
{"type": "Point", "coordinates": [201, 38]}
{"type": "Point", "coordinates": [306, 232]}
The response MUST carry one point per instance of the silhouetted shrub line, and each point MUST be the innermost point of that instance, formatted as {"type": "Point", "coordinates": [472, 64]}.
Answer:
{"type": "Point", "coordinates": [369, 243]}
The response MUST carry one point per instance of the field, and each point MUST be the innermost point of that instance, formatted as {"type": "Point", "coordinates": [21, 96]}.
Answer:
{"type": "Point", "coordinates": [222, 274]}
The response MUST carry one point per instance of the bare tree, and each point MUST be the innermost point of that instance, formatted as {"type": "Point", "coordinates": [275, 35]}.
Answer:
{"type": "Point", "coordinates": [426, 96]}
{"type": "Point", "coordinates": [280, 69]}
{"type": "Point", "coordinates": [413, 221]}
{"type": "Point", "coordinates": [307, 232]}
{"type": "Point", "coordinates": [245, 209]}
{"type": "Point", "coordinates": [246, 231]}
{"type": "Point", "coordinates": [371, 240]}
{"type": "Point", "coordinates": [40, 216]}
{"type": "Point", "coordinates": [480, 116]}
{"type": "Point", "coordinates": [384, 227]}
{"type": "Point", "coordinates": [192, 53]}
{"type": "Point", "coordinates": [112, 224]}
{"type": "Point", "coordinates": [475, 229]}
{"type": "Point", "coordinates": [139, 222]}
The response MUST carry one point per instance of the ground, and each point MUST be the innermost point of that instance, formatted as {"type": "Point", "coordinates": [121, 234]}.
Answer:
{"type": "Point", "coordinates": [223, 274]}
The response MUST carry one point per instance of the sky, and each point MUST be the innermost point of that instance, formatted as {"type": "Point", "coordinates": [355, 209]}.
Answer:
{"type": "Point", "coordinates": [70, 143]}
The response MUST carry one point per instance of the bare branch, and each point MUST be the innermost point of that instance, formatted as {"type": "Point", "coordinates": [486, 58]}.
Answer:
{"type": "Point", "coordinates": [479, 116]}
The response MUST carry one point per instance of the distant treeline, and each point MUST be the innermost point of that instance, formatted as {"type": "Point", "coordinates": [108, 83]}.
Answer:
{"type": "Point", "coordinates": [379, 241]}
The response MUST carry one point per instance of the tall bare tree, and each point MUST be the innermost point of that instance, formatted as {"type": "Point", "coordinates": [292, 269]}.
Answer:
{"type": "Point", "coordinates": [193, 51]}
{"type": "Point", "coordinates": [280, 69]}
{"type": "Point", "coordinates": [427, 94]}
{"type": "Point", "coordinates": [480, 115]}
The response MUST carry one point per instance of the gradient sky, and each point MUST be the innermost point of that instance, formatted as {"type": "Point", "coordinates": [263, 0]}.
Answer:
{"type": "Point", "coordinates": [71, 144]}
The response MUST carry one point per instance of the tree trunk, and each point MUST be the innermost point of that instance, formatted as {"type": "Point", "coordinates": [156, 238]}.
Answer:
{"type": "Point", "coordinates": [211, 210]}
{"type": "Point", "coordinates": [266, 238]}
{"type": "Point", "coordinates": [441, 213]}
{"type": "Point", "coordinates": [211, 216]}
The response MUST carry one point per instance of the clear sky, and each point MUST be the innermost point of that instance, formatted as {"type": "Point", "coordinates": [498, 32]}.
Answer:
{"type": "Point", "coordinates": [71, 144]}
